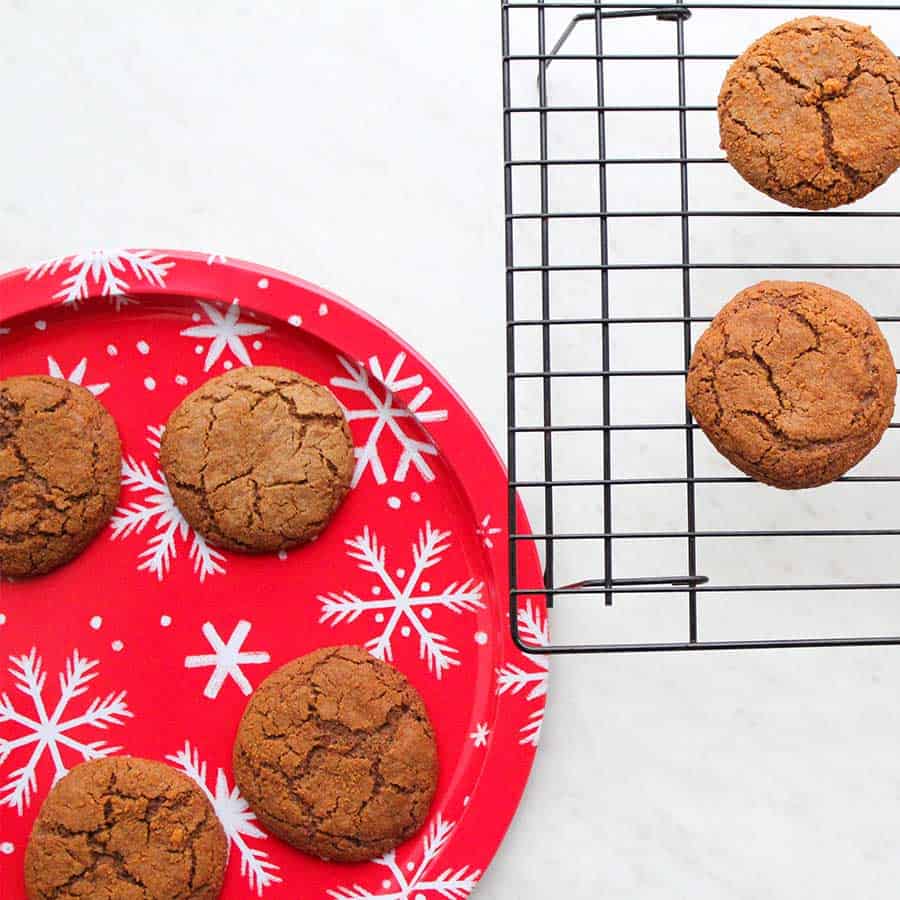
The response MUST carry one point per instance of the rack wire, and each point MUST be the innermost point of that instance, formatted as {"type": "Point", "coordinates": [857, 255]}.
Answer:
{"type": "Point", "coordinates": [570, 389]}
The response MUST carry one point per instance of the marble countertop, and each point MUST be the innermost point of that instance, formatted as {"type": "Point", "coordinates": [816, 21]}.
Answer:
{"type": "Point", "coordinates": [359, 145]}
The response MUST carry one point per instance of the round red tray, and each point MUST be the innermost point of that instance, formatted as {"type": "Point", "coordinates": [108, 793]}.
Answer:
{"type": "Point", "coordinates": [151, 641]}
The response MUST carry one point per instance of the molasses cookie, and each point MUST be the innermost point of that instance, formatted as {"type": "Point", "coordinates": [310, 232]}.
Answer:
{"type": "Point", "coordinates": [129, 829]}
{"type": "Point", "coordinates": [258, 459]}
{"type": "Point", "coordinates": [60, 468]}
{"type": "Point", "coordinates": [793, 382]}
{"type": "Point", "coordinates": [810, 113]}
{"type": "Point", "coordinates": [336, 755]}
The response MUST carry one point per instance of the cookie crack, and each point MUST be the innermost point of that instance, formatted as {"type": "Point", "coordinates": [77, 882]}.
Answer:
{"type": "Point", "coordinates": [213, 418]}
{"type": "Point", "coordinates": [852, 174]}
{"type": "Point", "coordinates": [817, 96]}
{"type": "Point", "coordinates": [212, 530]}
{"type": "Point", "coordinates": [794, 443]}
{"type": "Point", "coordinates": [254, 510]}
{"type": "Point", "coordinates": [754, 357]}
{"type": "Point", "coordinates": [771, 175]}
{"type": "Point", "coordinates": [776, 69]}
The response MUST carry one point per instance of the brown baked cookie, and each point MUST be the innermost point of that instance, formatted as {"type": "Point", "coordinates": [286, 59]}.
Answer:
{"type": "Point", "coordinates": [125, 829]}
{"type": "Point", "coordinates": [336, 755]}
{"type": "Point", "coordinates": [258, 459]}
{"type": "Point", "coordinates": [810, 113]}
{"type": "Point", "coordinates": [60, 468]}
{"type": "Point", "coordinates": [793, 382]}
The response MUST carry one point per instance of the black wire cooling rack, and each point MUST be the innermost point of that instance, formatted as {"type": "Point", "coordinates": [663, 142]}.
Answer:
{"type": "Point", "coordinates": [549, 399]}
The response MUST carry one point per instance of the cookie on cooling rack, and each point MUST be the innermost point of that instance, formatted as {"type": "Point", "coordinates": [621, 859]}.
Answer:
{"type": "Point", "coordinates": [793, 382]}
{"type": "Point", "coordinates": [810, 113]}
{"type": "Point", "coordinates": [60, 465]}
{"type": "Point", "coordinates": [128, 828]}
{"type": "Point", "coordinates": [336, 755]}
{"type": "Point", "coordinates": [258, 459]}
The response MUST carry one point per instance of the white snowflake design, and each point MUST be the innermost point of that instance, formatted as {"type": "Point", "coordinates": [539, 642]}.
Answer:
{"type": "Point", "coordinates": [215, 258]}
{"type": "Point", "coordinates": [481, 734]}
{"type": "Point", "coordinates": [236, 818]}
{"type": "Point", "coordinates": [169, 524]}
{"type": "Point", "coordinates": [51, 732]}
{"type": "Point", "coordinates": [415, 883]}
{"type": "Point", "coordinates": [513, 679]}
{"type": "Point", "coordinates": [76, 376]}
{"type": "Point", "coordinates": [226, 659]}
{"type": "Point", "coordinates": [388, 415]}
{"type": "Point", "coordinates": [409, 599]}
{"type": "Point", "coordinates": [107, 270]}
{"type": "Point", "coordinates": [486, 531]}
{"type": "Point", "coordinates": [226, 330]}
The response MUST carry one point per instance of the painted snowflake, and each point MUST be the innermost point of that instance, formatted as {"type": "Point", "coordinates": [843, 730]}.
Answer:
{"type": "Point", "coordinates": [486, 531]}
{"type": "Point", "coordinates": [226, 659]}
{"type": "Point", "coordinates": [391, 417]}
{"type": "Point", "coordinates": [403, 599]}
{"type": "Point", "coordinates": [76, 376]}
{"type": "Point", "coordinates": [514, 679]}
{"type": "Point", "coordinates": [226, 330]}
{"type": "Point", "coordinates": [170, 526]}
{"type": "Point", "coordinates": [52, 732]}
{"type": "Point", "coordinates": [112, 271]}
{"type": "Point", "coordinates": [415, 882]}
{"type": "Point", "coordinates": [237, 820]}
{"type": "Point", "coordinates": [480, 735]}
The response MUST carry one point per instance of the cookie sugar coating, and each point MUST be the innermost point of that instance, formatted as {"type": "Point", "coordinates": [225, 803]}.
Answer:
{"type": "Point", "coordinates": [810, 113]}
{"type": "Point", "coordinates": [125, 829]}
{"type": "Point", "coordinates": [793, 382]}
{"type": "Point", "coordinates": [258, 459]}
{"type": "Point", "coordinates": [336, 755]}
{"type": "Point", "coordinates": [60, 465]}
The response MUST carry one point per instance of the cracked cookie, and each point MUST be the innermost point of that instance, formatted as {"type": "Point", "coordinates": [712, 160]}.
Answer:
{"type": "Point", "coordinates": [810, 113]}
{"type": "Point", "coordinates": [258, 459]}
{"type": "Point", "coordinates": [60, 465]}
{"type": "Point", "coordinates": [125, 829]}
{"type": "Point", "coordinates": [336, 755]}
{"type": "Point", "coordinates": [793, 382]}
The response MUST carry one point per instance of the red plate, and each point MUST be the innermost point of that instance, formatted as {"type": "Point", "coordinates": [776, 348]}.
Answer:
{"type": "Point", "coordinates": [150, 642]}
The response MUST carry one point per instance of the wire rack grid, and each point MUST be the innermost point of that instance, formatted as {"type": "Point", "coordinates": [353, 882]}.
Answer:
{"type": "Point", "coordinates": [625, 232]}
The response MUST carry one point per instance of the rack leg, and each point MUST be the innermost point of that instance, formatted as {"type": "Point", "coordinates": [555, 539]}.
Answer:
{"type": "Point", "coordinates": [661, 13]}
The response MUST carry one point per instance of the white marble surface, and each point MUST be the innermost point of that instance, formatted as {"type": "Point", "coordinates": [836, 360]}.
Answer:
{"type": "Point", "coordinates": [358, 145]}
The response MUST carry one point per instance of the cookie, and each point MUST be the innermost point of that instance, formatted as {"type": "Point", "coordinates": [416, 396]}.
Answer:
{"type": "Point", "coordinates": [125, 829]}
{"type": "Point", "coordinates": [60, 467]}
{"type": "Point", "coordinates": [258, 459]}
{"type": "Point", "coordinates": [810, 113]}
{"type": "Point", "coordinates": [793, 382]}
{"type": "Point", "coordinates": [336, 755]}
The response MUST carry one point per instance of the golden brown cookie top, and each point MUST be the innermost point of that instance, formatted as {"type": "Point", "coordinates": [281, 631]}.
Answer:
{"type": "Point", "coordinates": [336, 755]}
{"type": "Point", "coordinates": [129, 829]}
{"type": "Point", "coordinates": [810, 113]}
{"type": "Point", "coordinates": [60, 466]}
{"type": "Point", "coordinates": [793, 382]}
{"type": "Point", "coordinates": [258, 459]}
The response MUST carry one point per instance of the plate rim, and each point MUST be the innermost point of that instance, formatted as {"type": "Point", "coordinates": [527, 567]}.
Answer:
{"type": "Point", "coordinates": [194, 276]}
